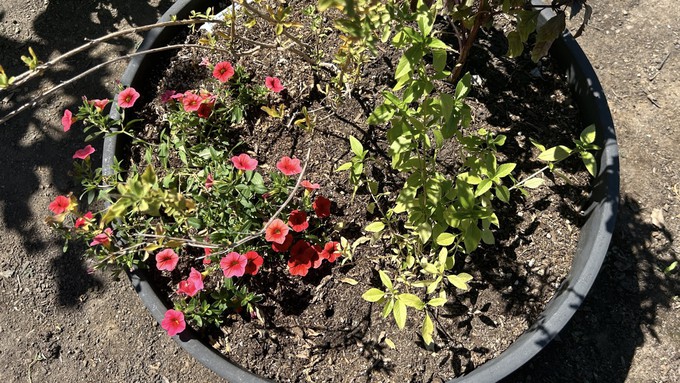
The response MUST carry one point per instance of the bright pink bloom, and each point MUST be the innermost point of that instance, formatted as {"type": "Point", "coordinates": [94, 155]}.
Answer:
{"type": "Point", "coordinates": [299, 264]}
{"type": "Point", "coordinates": [233, 265]}
{"type": "Point", "coordinates": [276, 231]}
{"type": "Point", "coordinates": [330, 252]}
{"type": "Point", "coordinates": [209, 182]}
{"type": "Point", "coordinates": [84, 220]}
{"type": "Point", "coordinates": [103, 238]}
{"type": "Point", "coordinates": [192, 285]}
{"type": "Point", "coordinates": [283, 247]}
{"type": "Point", "coordinates": [322, 207]}
{"type": "Point", "coordinates": [99, 105]}
{"type": "Point", "coordinates": [83, 153]}
{"type": "Point", "coordinates": [273, 84]}
{"type": "Point", "coordinates": [298, 221]}
{"type": "Point", "coordinates": [177, 96]}
{"type": "Point", "coordinates": [167, 96]}
{"type": "Point", "coordinates": [191, 101]}
{"type": "Point", "coordinates": [67, 120]}
{"type": "Point", "coordinates": [310, 187]}
{"type": "Point", "coordinates": [60, 204]}
{"type": "Point", "coordinates": [207, 252]}
{"type": "Point", "coordinates": [127, 98]}
{"type": "Point", "coordinates": [173, 322]}
{"type": "Point", "coordinates": [244, 162]}
{"type": "Point", "coordinates": [254, 262]}
{"type": "Point", "coordinates": [166, 260]}
{"type": "Point", "coordinates": [289, 166]}
{"type": "Point", "coordinates": [223, 71]}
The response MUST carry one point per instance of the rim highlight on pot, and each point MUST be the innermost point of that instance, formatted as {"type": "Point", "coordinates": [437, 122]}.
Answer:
{"type": "Point", "coordinates": [592, 244]}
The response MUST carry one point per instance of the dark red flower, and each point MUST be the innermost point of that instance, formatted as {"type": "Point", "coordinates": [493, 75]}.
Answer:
{"type": "Point", "coordinates": [298, 220]}
{"type": "Point", "coordinates": [299, 264]}
{"type": "Point", "coordinates": [322, 207]}
{"type": "Point", "coordinates": [283, 247]}
{"type": "Point", "coordinates": [254, 262]}
{"type": "Point", "coordinates": [84, 220]}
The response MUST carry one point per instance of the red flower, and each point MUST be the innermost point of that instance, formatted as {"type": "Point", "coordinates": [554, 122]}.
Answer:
{"type": "Point", "coordinates": [84, 153]}
{"type": "Point", "coordinates": [310, 187]}
{"type": "Point", "coordinates": [103, 238]}
{"type": "Point", "coordinates": [173, 322]}
{"type": "Point", "coordinates": [60, 204]}
{"type": "Point", "coordinates": [276, 231]}
{"type": "Point", "coordinates": [84, 220]}
{"type": "Point", "coordinates": [167, 96]}
{"type": "Point", "coordinates": [233, 265]}
{"type": "Point", "coordinates": [99, 105]}
{"type": "Point", "coordinates": [289, 166]}
{"type": "Point", "coordinates": [273, 84]}
{"type": "Point", "coordinates": [223, 71]}
{"type": "Point", "coordinates": [127, 98]}
{"type": "Point", "coordinates": [254, 262]}
{"type": "Point", "coordinates": [166, 260]}
{"type": "Point", "coordinates": [322, 207]}
{"type": "Point", "coordinates": [283, 247]}
{"type": "Point", "coordinates": [192, 285]}
{"type": "Point", "coordinates": [315, 256]}
{"type": "Point", "coordinates": [300, 263]}
{"type": "Point", "coordinates": [67, 120]}
{"type": "Point", "coordinates": [205, 109]}
{"type": "Point", "coordinates": [244, 162]}
{"type": "Point", "coordinates": [298, 220]}
{"type": "Point", "coordinates": [330, 252]}
{"type": "Point", "coordinates": [300, 247]}
{"type": "Point", "coordinates": [207, 252]}
{"type": "Point", "coordinates": [209, 181]}
{"type": "Point", "coordinates": [191, 101]}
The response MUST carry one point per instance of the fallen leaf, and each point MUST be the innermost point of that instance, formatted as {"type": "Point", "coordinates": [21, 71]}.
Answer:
{"type": "Point", "coordinates": [657, 218]}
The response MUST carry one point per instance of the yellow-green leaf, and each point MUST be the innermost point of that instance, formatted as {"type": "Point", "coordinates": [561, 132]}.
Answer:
{"type": "Point", "coordinates": [399, 313]}
{"type": "Point", "coordinates": [445, 239]}
{"type": "Point", "coordinates": [460, 280]}
{"type": "Point", "coordinates": [554, 154]}
{"type": "Point", "coordinates": [427, 329]}
{"type": "Point", "coordinates": [411, 300]}
{"type": "Point", "coordinates": [389, 343]}
{"type": "Point", "coordinates": [375, 227]}
{"type": "Point", "coordinates": [373, 295]}
{"type": "Point", "coordinates": [588, 134]}
{"type": "Point", "coordinates": [534, 183]}
{"type": "Point", "coordinates": [385, 279]}
{"type": "Point", "coordinates": [436, 302]}
{"type": "Point", "coordinates": [349, 281]}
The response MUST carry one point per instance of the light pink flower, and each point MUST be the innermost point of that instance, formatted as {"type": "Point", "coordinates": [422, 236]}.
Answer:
{"type": "Point", "coordinates": [273, 84]}
{"type": "Point", "coordinates": [244, 162]}
{"type": "Point", "coordinates": [167, 260]}
{"type": "Point", "coordinates": [67, 120]}
{"type": "Point", "coordinates": [309, 186]}
{"type": "Point", "coordinates": [173, 322]}
{"type": "Point", "coordinates": [192, 285]}
{"type": "Point", "coordinates": [127, 98]}
{"type": "Point", "coordinates": [276, 232]}
{"type": "Point", "coordinates": [99, 105]}
{"type": "Point", "coordinates": [289, 166]}
{"type": "Point", "coordinates": [233, 265]}
{"type": "Point", "coordinates": [204, 62]}
{"type": "Point", "coordinates": [223, 71]}
{"type": "Point", "coordinates": [191, 101]}
{"type": "Point", "coordinates": [209, 182]}
{"type": "Point", "coordinates": [84, 153]}
{"type": "Point", "coordinates": [103, 238]}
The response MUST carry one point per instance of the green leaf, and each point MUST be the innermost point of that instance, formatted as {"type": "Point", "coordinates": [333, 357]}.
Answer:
{"type": "Point", "coordinates": [399, 313]}
{"type": "Point", "coordinates": [387, 309]}
{"type": "Point", "coordinates": [389, 343]}
{"type": "Point", "coordinates": [427, 329]}
{"type": "Point", "coordinates": [589, 162]}
{"type": "Point", "coordinates": [375, 227]}
{"type": "Point", "coordinates": [403, 68]}
{"type": "Point", "coordinates": [463, 87]}
{"type": "Point", "coordinates": [533, 183]}
{"type": "Point", "coordinates": [504, 170]}
{"type": "Point", "coordinates": [503, 193]}
{"type": "Point", "coordinates": [437, 44]}
{"type": "Point", "coordinates": [380, 115]}
{"type": "Point", "coordinates": [473, 235]}
{"type": "Point", "coordinates": [373, 295]}
{"type": "Point", "coordinates": [460, 280]}
{"type": "Point", "coordinates": [385, 279]}
{"type": "Point", "coordinates": [411, 300]}
{"type": "Point", "coordinates": [483, 187]}
{"type": "Point", "coordinates": [588, 134]}
{"type": "Point", "coordinates": [344, 167]}
{"type": "Point", "coordinates": [670, 267]}
{"type": "Point", "coordinates": [439, 60]}
{"type": "Point", "coordinates": [356, 146]}
{"type": "Point", "coordinates": [149, 176]}
{"type": "Point", "coordinates": [424, 231]}
{"type": "Point", "coordinates": [546, 34]}
{"type": "Point", "coordinates": [437, 302]}
{"type": "Point", "coordinates": [554, 154]}
{"type": "Point", "coordinates": [445, 239]}
{"type": "Point", "coordinates": [515, 44]}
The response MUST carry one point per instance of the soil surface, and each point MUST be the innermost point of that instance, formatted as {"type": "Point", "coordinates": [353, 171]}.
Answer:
{"type": "Point", "coordinates": [64, 323]}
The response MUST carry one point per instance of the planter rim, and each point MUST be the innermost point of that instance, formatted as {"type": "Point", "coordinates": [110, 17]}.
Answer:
{"type": "Point", "coordinates": [592, 244]}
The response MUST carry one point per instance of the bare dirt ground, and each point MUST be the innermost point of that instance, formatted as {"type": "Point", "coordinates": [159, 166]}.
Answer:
{"type": "Point", "coordinates": [60, 322]}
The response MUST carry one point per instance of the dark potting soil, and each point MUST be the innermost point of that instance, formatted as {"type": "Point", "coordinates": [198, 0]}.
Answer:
{"type": "Point", "coordinates": [318, 328]}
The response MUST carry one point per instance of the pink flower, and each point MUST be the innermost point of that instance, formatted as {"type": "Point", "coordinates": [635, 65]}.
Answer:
{"type": "Point", "coordinates": [233, 265]}
{"type": "Point", "coordinates": [84, 153]}
{"type": "Point", "coordinates": [273, 84]}
{"type": "Point", "coordinates": [83, 221]}
{"type": "Point", "coordinates": [244, 162]}
{"type": "Point", "coordinates": [67, 120]}
{"type": "Point", "coordinates": [309, 186]}
{"type": "Point", "coordinates": [99, 105]}
{"type": "Point", "coordinates": [166, 260]}
{"type": "Point", "coordinates": [254, 262]}
{"type": "Point", "coordinates": [60, 204]}
{"type": "Point", "coordinates": [204, 62]}
{"type": "Point", "coordinates": [173, 322]}
{"type": "Point", "coordinates": [192, 285]}
{"type": "Point", "coordinates": [223, 71]}
{"type": "Point", "coordinates": [289, 166]}
{"type": "Point", "coordinates": [167, 96]}
{"type": "Point", "coordinates": [191, 101]}
{"type": "Point", "coordinates": [298, 220]}
{"type": "Point", "coordinates": [207, 252]}
{"type": "Point", "coordinates": [283, 247]}
{"type": "Point", "coordinates": [276, 231]}
{"type": "Point", "coordinates": [127, 98]}
{"type": "Point", "coordinates": [103, 238]}
{"type": "Point", "coordinates": [330, 252]}
{"type": "Point", "coordinates": [209, 182]}
{"type": "Point", "coordinates": [322, 207]}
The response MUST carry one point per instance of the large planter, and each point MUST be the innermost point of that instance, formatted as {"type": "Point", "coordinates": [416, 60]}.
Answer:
{"type": "Point", "coordinates": [592, 245]}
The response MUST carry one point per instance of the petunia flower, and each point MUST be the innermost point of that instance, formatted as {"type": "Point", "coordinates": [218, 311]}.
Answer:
{"type": "Point", "coordinates": [315, 256]}
{"type": "Point", "coordinates": [99, 105]}
{"type": "Point", "coordinates": [283, 247]}
{"type": "Point", "coordinates": [254, 262]}
{"type": "Point", "coordinates": [300, 247]}
{"type": "Point", "coordinates": [60, 204]}
{"type": "Point", "coordinates": [191, 101]}
{"type": "Point", "coordinates": [223, 71]}
{"type": "Point", "coordinates": [209, 182]}
{"type": "Point", "coordinates": [310, 187]}
{"type": "Point", "coordinates": [289, 166]}
{"type": "Point", "coordinates": [276, 231]}
{"type": "Point", "coordinates": [204, 62]}
{"type": "Point", "coordinates": [166, 260]}
{"type": "Point", "coordinates": [330, 252]}
{"type": "Point", "coordinates": [297, 220]}
{"type": "Point", "coordinates": [244, 162]}
{"type": "Point", "coordinates": [167, 96]}
{"type": "Point", "coordinates": [173, 322]}
{"type": "Point", "coordinates": [233, 265]}
{"type": "Point", "coordinates": [192, 285]}
{"type": "Point", "coordinates": [322, 206]}
{"type": "Point", "coordinates": [299, 264]}
{"type": "Point", "coordinates": [127, 98]}
{"type": "Point", "coordinates": [67, 120]}
{"type": "Point", "coordinates": [103, 238]}
{"type": "Point", "coordinates": [83, 221]}
{"type": "Point", "coordinates": [207, 252]}
{"type": "Point", "coordinates": [273, 84]}
{"type": "Point", "coordinates": [84, 153]}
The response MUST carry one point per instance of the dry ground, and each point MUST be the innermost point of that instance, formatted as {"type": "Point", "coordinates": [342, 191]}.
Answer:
{"type": "Point", "coordinates": [60, 322]}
